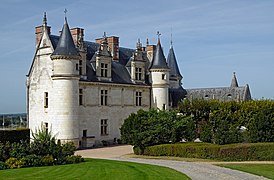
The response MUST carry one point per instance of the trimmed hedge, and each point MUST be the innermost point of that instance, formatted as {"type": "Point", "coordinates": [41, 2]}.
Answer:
{"type": "Point", "coordinates": [15, 135]}
{"type": "Point", "coordinates": [230, 152]}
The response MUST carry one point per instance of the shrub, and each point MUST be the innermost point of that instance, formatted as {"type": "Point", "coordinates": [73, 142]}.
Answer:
{"type": "Point", "coordinates": [22, 134]}
{"type": "Point", "coordinates": [13, 163]}
{"type": "Point", "coordinates": [231, 152]}
{"type": "Point", "coordinates": [3, 165]}
{"type": "Point", "coordinates": [5, 151]}
{"type": "Point", "coordinates": [47, 160]}
{"type": "Point", "coordinates": [32, 160]}
{"type": "Point", "coordinates": [74, 159]}
{"type": "Point", "coordinates": [20, 149]}
{"type": "Point", "coordinates": [68, 149]}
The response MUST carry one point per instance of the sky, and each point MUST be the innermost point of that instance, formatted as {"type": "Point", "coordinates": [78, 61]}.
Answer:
{"type": "Point", "coordinates": [211, 38]}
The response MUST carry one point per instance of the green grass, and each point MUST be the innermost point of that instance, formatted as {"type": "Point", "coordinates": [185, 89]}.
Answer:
{"type": "Point", "coordinates": [94, 169]}
{"type": "Point", "coordinates": [266, 170]}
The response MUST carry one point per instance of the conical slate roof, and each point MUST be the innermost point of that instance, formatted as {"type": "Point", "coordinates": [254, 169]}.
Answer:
{"type": "Point", "coordinates": [65, 46]}
{"type": "Point", "coordinates": [172, 63]}
{"type": "Point", "coordinates": [159, 60]}
{"type": "Point", "coordinates": [234, 82]}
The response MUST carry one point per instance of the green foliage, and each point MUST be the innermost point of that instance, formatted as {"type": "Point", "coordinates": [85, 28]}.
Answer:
{"type": "Point", "coordinates": [220, 122]}
{"type": "Point", "coordinates": [230, 152]}
{"type": "Point", "coordinates": [15, 135]}
{"type": "Point", "coordinates": [20, 149]}
{"type": "Point", "coordinates": [152, 127]}
{"type": "Point", "coordinates": [5, 151]}
{"type": "Point", "coordinates": [47, 160]}
{"type": "Point", "coordinates": [74, 159]}
{"type": "Point", "coordinates": [3, 165]}
{"type": "Point", "coordinates": [68, 149]}
{"type": "Point", "coordinates": [13, 163]}
{"type": "Point", "coordinates": [32, 160]}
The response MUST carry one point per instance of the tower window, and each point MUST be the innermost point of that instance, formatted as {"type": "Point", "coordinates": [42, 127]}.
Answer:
{"type": "Point", "coordinates": [77, 67]}
{"type": "Point", "coordinates": [80, 96]}
{"type": "Point", "coordinates": [164, 106]}
{"type": "Point", "coordinates": [138, 73]}
{"type": "Point", "coordinates": [104, 70]}
{"type": "Point", "coordinates": [163, 76]}
{"type": "Point", "coordinates": [46, 127]}
{"type": "Point", "coordinates": [80, 67]}
{"type": "Point", "coordinates": [138, 99]}
{"type": "Point", "coordinates": [104, 127]}
{"type": "Point", "coordinates": [104, 97]}
{"type": "Point", "coordinates": [46, 99]}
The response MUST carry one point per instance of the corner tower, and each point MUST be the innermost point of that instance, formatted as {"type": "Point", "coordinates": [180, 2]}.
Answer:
{"type": "Point", "coordinates": [159, 79]}
{"type": "Point", "coordinates": [65, 85]}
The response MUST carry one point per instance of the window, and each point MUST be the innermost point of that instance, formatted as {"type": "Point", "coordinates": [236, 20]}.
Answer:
{"type": "Point", "coordinates": [164, 106]}
{"type": "Point", "coordinates": [47, 127]}
{"type": "Point", "coordinates": [104, 126]}
{"type": "Point", "coordinates": [163, 76]}
{"type": "Point", "coordinates": [138, 98]}
{"type": "Point", "coordinates": [77, 67]}
{"type": "Point", "coordinates": [84, 133]}
{"type": "Point", "coordinates": [104, 70]}
{"type": "Point", "coordinates": [80, 96]}
{"type": "Point", "coordinates": [138, 73]}
{"type": "Point", "coordinates": [80, 67]}
{"type": "Point", "coordinates": [46, 99]}
{"type": "Point", "coordinates": [104, 97]}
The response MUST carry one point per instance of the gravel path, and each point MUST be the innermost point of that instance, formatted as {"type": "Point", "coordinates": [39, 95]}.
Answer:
{"type": "Point", "coordinates": [194, 170]}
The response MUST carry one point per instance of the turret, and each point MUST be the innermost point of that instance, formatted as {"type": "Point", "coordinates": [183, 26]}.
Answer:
{"type": "Point", "coordinates": [175, 75]}
{"type": "Point", "coordinates": [65, 88]}
{"type": "Point", "coordinates": [159, 79]}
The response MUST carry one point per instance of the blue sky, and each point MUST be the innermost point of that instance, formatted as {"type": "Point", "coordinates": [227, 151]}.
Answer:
{"type": "Point", "coordinates": [212, 38]}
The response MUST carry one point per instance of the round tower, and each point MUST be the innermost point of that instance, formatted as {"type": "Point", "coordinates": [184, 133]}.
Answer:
{"type": "Point", "coordinates": [65, 93]}
{"type": "Point", "coordinates": [159, 80]}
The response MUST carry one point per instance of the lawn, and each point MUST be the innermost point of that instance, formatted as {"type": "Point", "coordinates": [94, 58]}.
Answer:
{"type": "Point", "coordinates": [94, 169]}
{"type": "Point", "coordinates": [266, 170]}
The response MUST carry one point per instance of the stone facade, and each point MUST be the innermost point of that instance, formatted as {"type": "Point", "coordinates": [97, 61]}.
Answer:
{"type": "Point", "coordinates": [82, 91]}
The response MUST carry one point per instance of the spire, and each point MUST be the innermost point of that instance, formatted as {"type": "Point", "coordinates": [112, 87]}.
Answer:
{"type": "Point", "coordinates": [45, 20]}
{"type": "Point", "coordinates": [173, 65]}
{"type": "Point", "coordinates": [65, 46]}
{"type": "Point", "coordinates": [159, 60]}
{"type": "Point", "coordinates": [234, 82]}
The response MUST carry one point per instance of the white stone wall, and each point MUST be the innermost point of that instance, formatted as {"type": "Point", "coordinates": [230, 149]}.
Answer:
{"type": "Point", "coordinates": [121, 103]}
{"type": "Point", "coordinates": [160, 85]}
{"type": "Point", "coordinates": [39, 82]}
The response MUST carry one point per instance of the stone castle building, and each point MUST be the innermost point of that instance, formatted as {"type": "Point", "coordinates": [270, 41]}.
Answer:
{"type": "Point", "coordinates": [82, 91]}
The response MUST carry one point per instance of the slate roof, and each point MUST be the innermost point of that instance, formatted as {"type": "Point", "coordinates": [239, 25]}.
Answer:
{"type": "Point", "coordinates": [241, 93]}
{"type": "Point", "coordinates": [65, 44]}
{"type": "Point", "coordinates": [176, 95]}
{"type": "Point", "coordinates": [159, 60]}
{"type": "Point", "coordinates": [173, 65]}
{"type": "Point", "coordinates": [120, 73]}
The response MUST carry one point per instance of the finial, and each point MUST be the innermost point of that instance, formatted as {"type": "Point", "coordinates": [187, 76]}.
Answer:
{"type": "Point", "coordinates": [171, 42]}
{"type": "Point", "coordinates": [158, 34]}
{"type": "Point", "coordinates": [147, 42]}
{"type": "Point", "coordinates": [65, 11]}
{"type": "Point", "coordinates": [105, 35]}
{"type": "Point", "coordinates": [139, 44]}
{"type": "Point", "coordinates": [234, 73]}
{"type": "Point", "coordinates": [45, 19]}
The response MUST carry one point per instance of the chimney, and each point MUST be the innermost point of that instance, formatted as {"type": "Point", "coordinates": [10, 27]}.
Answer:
{"type": "Point", "coordinates": [39, 33]}
{"type": "Point", "coordinates": [150, 51]}
{"type": "Point", "coordinates": [77, 35]}
{"type": "Point", "coordinates": [113, 44]}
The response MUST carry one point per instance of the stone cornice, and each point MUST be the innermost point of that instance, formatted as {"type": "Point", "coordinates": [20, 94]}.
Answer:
{"type": "Point", "coordinates": [87, 83]}
{"type": "Point", "coordinates": [65, 57]}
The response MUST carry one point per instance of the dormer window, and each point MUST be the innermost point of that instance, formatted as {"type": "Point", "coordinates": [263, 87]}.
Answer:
{"type": "Point", "coordinates": [104, 70]}
{"type": "Point", "coordinates": [163, 76]}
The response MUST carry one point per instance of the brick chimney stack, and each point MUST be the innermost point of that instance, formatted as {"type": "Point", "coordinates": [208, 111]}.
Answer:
{"type": "Point", "coordinates": [113, 44]}
{"type": "Point", "coordinates": [150, 51]}
{"type": "Point", "coordinates": [77, 35]}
